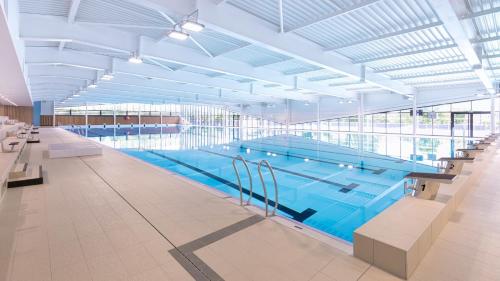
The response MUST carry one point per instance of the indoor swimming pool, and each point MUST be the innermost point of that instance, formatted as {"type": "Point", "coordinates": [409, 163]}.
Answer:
{"type": "Point", "coordinates": [329, 187]}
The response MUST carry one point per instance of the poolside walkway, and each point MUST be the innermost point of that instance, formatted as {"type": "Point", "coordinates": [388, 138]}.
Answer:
{"type": "Point", "coordinates": [113, 217]}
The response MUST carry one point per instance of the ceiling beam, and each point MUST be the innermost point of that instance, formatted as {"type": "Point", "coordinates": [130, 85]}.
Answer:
{"type": "Point", "coordinates": [329, 16]}
{"type": "Point", "coordinates": [446, 13]}
{"type": "Point", "coordinates": [49, 28]}
{"type": "Point", "coordinates": [404, 53]}
{"type": "Point", "coordinates": [420, 65]}
{"type": "Point", "coordinates": [482, 13]}
{"type": "Point", "coordinates": [384, 36]}
{"type": "Point", "coordinates": [73, 10]}
{"type": "Point", "coordinates": [431, 74]}
{"type": "Point", "coordinates": [261, 33]}
{"type": "Point", "coordinates": [81, 60]}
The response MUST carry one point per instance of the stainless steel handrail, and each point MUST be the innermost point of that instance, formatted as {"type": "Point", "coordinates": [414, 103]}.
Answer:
{"type": "Point", "coordinates": [265, 188]}
{"type": "Point", "coordinates": [239, 157]}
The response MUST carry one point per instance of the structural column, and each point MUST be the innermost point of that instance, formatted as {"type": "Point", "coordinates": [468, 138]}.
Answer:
{"type": "Point", "coordinates": [114, 114]}
{"type": "Point", "coordinates": [361, 121]}
{"type": "Point", "coordinates": [86, 116]}
{"type": "Point", "coordinates": [492, 115]}
{"type": "Point", "coordinates": [318, 118]}
{"type": "Point", "coordinates": [139, 115]}
{"type": "Point", "coordinates": [415, 123]}
{"type": "Point", "coordinates": [53, 113]}
{"type": "Point", "coordinates": [415, 118]}
{"type": "Point", "coordinates": [287, 121]}
{"type": "Point", "coordinates": [361, 113]}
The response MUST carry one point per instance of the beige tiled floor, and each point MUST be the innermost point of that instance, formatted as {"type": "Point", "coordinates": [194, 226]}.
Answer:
{"type": "Point", "coordinates": [75, 227]}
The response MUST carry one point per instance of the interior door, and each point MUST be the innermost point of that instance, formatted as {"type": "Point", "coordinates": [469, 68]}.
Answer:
{"type": "Point", "coordinates": [470, 124]}
{"type": "Point", "coordinates": [461, 124]}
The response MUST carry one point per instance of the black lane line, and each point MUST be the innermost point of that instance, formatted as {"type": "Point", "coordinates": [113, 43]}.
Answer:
{"type": "Point", "coordinates": [350, 186]}
{"type": "Point", "coordinates": [189, 248]}
{"type": "Point", "coordinates": [298, 216]}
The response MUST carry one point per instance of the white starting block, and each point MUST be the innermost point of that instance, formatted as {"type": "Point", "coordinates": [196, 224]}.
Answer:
{"type": "Point", "coordinates": [427, 184]}
{"type": "Point", "coordinates": [470, 152]}
{"type": "Point", "coordinates": [481, 144]}
{"type": "Point", "coordinates": [454, 166]}
{"type": "Point", "coordinates": [74, 149]}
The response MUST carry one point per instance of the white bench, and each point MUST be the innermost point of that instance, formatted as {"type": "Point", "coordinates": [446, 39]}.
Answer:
{"type": "Point", "coordinates": [397, 239]}
{"type": "Point", "coordinates": [74, 149]}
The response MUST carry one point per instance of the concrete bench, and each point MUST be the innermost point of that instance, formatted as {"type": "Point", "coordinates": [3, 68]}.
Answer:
{"type": "Point", "coordinates": [397, 239]}
{"type": "Point", "coordinates": [74, 149]}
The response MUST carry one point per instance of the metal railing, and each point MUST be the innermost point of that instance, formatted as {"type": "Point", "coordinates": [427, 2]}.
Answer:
{"type": "Point", "coordinates": [265, 188]}
{"type": "Point", "coordinates": [239, 157]}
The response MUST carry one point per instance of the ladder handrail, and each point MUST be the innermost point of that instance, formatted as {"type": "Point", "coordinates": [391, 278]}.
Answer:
{"type": "Point", "coordinates": [265, 188]}
{"type": "Point", "coordinates": [239, 157]}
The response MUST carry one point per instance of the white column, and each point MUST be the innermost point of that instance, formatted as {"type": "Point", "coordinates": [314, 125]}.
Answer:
{"type": "Point", "coordinates": [114, 114]}
{"type": "Point", "coordinates": [53, 113]}
{"type": "Point", "coordinates": [139, 116]}
{"type": "Point", "coordinates": [287, 121]}
{"type": "Point", "coordinates": [86, 116]}
{"type": "Point", "coordinates": [318, 118]}
{"type": "Point", "coordinates": [415, 123]}
{"type": "Point", "coordinates": [361, 122]}
{"type": "Point", "coordinates": [492, 115]}
{"type": "Point", "coordinates": [415, 118]}
{"type": "Point", "coordinates": [361, 112]}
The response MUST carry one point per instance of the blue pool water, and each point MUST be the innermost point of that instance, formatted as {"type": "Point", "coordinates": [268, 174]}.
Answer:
{"type": "Point", "coordinates": [329, 187]}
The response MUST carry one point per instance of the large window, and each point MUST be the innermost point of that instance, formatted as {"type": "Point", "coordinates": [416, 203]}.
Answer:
{"type": "Point", "coordinates": [432, 120]}
{"type": "Point", "coordinates": [380, 123]}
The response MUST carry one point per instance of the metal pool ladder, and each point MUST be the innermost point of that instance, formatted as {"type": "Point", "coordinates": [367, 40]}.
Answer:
{"type": "Point", "coordinates": [265, 188]}
{"type": "Point", "coordinates": [239, 157]}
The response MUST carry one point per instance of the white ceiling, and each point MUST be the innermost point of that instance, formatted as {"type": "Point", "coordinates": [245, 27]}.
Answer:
{"type": "Point", "coordinates": [257, 51]}
{"type": "Point", "coordinates": [13, 88]}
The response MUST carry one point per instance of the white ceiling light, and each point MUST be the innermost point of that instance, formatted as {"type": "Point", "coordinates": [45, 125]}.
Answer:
{"type": "Point", "coordinates": [76, 95]}
{"type": "Point", "coordinates": [107, 76]}
{"type": "Point", "coordinates": [192, 26]}
{"type": "Point", "coordinates": [92, 86]}
{"type": "Point", "coordinates": [178, 35]}
{"type": "Point", "coordinates": [191, 23]}
{"type": "Point", "coordinates": [135, 59]}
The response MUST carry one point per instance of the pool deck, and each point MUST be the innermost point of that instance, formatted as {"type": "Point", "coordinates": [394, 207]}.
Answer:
{"type": "Point", "coordinates": [113, 217]}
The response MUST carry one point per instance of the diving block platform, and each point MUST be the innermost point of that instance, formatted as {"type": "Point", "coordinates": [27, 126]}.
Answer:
{"type": "Point", "coordinates": [470, 152]}
{"type": "Point", "coordinates": [74, 149]}
{"type": "Point", "coordinates": [455, 165]}
{"type": "Point", "coordinates": [427, 184]}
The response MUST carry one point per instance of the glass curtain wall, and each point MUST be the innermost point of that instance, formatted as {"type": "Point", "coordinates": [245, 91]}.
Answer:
{"type": "Point", "coordinates": [432, 120]}
{"type": "Point", "coordinates": [194, 115]}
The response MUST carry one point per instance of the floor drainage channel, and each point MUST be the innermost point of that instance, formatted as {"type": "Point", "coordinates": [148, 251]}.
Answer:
{"type": "Point", "coordinates": [184, 254]}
